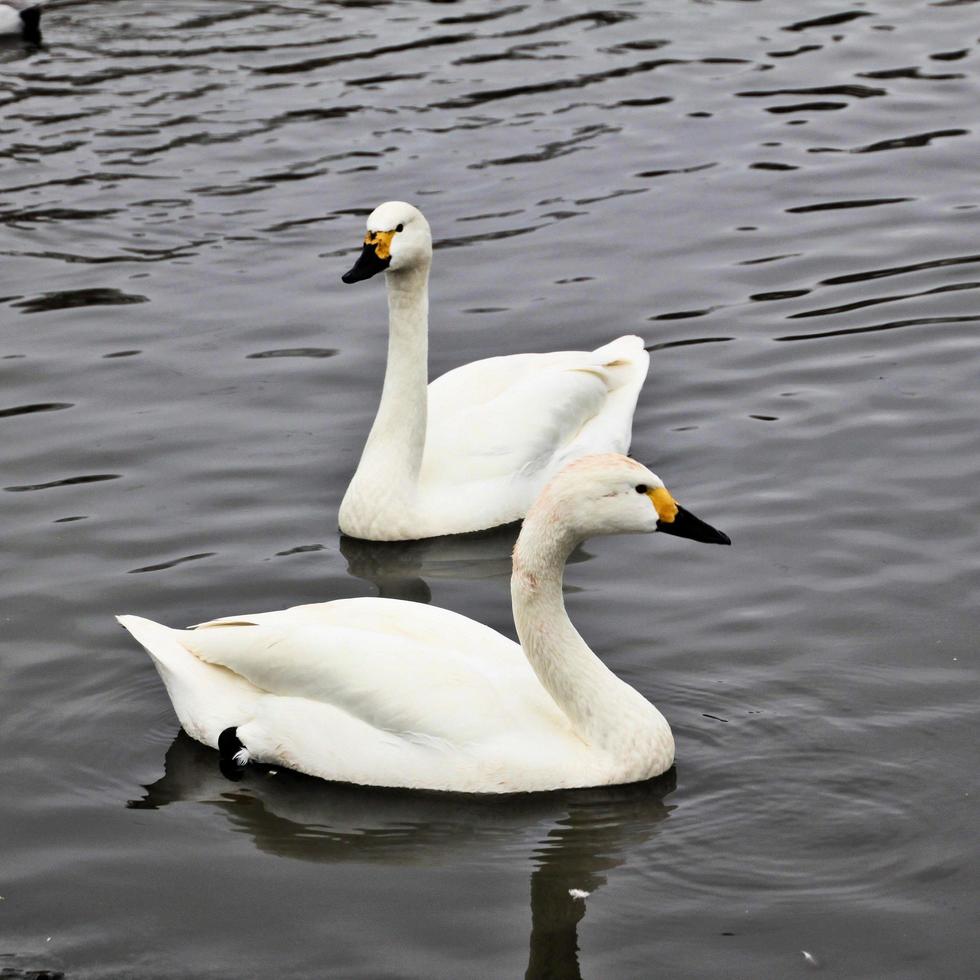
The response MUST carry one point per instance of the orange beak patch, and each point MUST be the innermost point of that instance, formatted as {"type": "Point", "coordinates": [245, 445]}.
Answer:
{"type": "Point", "coordinates": [381, 240]}
{"type": "Point", "coordinates": [665, 504]}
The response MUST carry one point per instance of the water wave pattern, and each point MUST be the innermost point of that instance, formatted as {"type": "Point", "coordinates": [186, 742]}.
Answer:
{"type": "Point", "coordinates": [781, 202]}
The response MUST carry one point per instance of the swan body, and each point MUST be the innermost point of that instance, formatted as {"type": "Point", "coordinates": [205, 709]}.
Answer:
{"type": "Point", "coordinates": [21, 17]}
{"type": "Point", "coordinates": [473, 449]}
{"type": "Point", "coordinates": [392, 693]}
{"type": "Point", "coordinates": [374, 691]}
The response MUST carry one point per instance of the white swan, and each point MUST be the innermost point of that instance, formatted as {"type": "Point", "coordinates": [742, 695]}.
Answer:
{"type": "Point", "coordinates": [391, 693]}
{"type": "Point", "coordinates": [21, 17]}
{"type": "Point", "coordinates": [473, 449]}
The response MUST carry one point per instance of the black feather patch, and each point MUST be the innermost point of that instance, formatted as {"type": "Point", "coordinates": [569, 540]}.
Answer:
{"type": "Point", "coordinates": [229, 745]}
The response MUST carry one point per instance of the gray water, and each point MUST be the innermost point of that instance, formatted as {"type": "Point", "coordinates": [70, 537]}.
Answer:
{"type": "Point", "coordinates": [781, 198]}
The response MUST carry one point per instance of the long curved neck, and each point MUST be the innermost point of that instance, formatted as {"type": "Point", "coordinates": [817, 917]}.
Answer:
{"type": "Point", "coordinates": [397, 438]}
{"type": "Point", "coordinates": [604, 710]}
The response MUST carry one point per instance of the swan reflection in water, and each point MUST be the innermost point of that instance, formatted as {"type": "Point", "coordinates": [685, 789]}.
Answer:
{"type": "Point", "coordinates": [589, 831]}
{"type": "Point", "coordinates": [399, 569]}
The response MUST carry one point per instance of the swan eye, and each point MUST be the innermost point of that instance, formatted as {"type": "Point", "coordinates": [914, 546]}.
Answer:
{"type": "Point", "coordinates": [641, 488]}
{"type": "Point", "coordinates": [400, 228]}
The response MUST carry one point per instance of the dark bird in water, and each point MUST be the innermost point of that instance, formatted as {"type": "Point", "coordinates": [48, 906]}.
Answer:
{"type": "Point", "coordinates": [21, 17]}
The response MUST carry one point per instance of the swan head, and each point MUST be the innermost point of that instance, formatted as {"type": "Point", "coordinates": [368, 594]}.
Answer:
{"type": "Point", "coordinates": [398, 239]}
{"type": "Point", "coordinates": [613, 494]}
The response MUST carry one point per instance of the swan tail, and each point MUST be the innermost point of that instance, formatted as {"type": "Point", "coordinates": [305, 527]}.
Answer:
{"type": "Point", "coordinates": [207, 698]}
{"type": "Point", "coordinates": [624, 363]}
{"type": "Point", "coordinates": [628, 349]}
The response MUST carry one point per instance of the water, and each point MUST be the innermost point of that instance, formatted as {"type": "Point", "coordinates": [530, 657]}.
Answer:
{"type": "Point", "coordinates": [782, 201]}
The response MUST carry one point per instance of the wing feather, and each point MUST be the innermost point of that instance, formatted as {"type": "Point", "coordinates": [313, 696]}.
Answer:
{"type": "Point", "coordinates": [400, 667]}
{"type": "Point", "coordinates": [500, 428]}
{"type": "Point", "coordinates": [514, 414]}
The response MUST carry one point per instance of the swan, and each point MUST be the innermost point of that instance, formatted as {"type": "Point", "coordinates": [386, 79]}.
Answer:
{"type": "Point", "coordinates": [473, 449]}
{"type": "Point", "coordinates": [384, 692]}
{"type": "Point", "coordinates": [21, 17]}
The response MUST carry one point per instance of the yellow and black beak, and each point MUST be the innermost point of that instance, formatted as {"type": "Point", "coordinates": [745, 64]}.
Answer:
{"type": "Point", "coordinates": [375, 257]}
{"type": "Point", "coordinates": [674, 519]}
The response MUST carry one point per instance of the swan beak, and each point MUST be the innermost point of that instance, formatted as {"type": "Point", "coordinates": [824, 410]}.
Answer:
{"type": "Point", "coordinates": [674, 519]}
{"type": "Point", "coordinates": [374, 258]}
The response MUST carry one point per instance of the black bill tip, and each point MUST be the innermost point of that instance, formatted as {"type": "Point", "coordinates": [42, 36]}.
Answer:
{"type": "Point", "coordinates": [686, 525]}
{"type": "Point", "coordinates": [368, 264]}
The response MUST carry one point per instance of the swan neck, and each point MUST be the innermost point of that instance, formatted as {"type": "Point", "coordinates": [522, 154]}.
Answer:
{"type": "Point", "coordinates": [397, 439]}
{"type": "Point", "coordinates": [601, 707]}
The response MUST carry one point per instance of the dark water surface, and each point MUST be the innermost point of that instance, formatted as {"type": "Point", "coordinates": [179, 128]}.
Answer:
{"type": "Point", "coordinates": [782, 198]}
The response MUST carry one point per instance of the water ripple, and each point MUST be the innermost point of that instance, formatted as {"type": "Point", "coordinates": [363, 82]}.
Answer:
{"type": "Point", "coordinates": [32, 409]}
{"type": "Point", "coordinates": [878, 300]}
{"type": "Point", "coordinates": [841, 205]}
{"type": "Point", "coordinates": [557, 85]}
{"type": "Point", "coordinates": [162, 566]}
{"type": "Point", "coordinates": [923, 321]}
{"type": "Point", "coordinates": [899, 270]}
{"type": "Point", "coordinates": [66, 482]}
{"type": "Point", "coordinates": [312, 64]}
{"type": "Point", "coordinates": [71, 299]}
{"type": "Point", "coordinates": [858, 91]}
{"type": "Point", "coordinates": [829, 20]}
{"type": "Point", "coordinates": [315, 352]}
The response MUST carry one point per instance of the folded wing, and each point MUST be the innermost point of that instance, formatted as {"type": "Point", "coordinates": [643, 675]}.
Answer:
{"type": "Point", "coordinates": [399, 667]}
{"type": "Point", "coordinates": [500, 428]}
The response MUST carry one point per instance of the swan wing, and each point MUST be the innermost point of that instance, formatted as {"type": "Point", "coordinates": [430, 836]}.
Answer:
{"type": "Point", "coordinates": [398, 667]}
{"type": "Point", "coordinates": [500, 428]}
{"type": "Point", "coordinates": [372, 691]}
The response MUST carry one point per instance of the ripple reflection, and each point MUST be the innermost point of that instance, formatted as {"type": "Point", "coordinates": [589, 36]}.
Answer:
{"type": "Point", "coordinates": [571, 839]}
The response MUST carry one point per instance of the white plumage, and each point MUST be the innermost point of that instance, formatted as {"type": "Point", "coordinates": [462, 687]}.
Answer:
{"type": "Point", "coordinates": [473, 449]}
{"type": "Point", "coordinates": [376, 691]}
{"type": "Point", "coordinates": [392, 693]}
